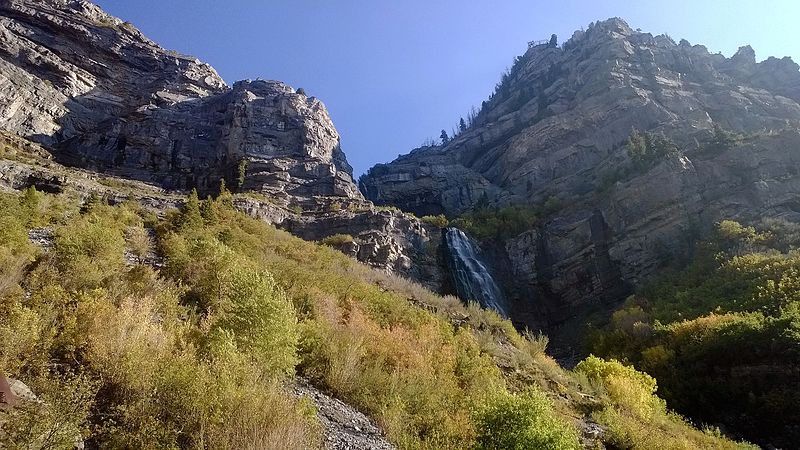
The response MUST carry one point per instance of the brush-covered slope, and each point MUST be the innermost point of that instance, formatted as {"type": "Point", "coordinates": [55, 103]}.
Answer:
{"type": "Point", "coordinates": [722, 334]}
{"type": "Point", "coordinates": [184, 329]}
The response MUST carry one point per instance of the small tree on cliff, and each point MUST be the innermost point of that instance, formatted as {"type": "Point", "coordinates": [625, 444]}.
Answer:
{"type": "Point", "coordinates": [723, 139]}
{"type": "Point", "coordinates": [553, 41]}
{"type": "Point", "coordinates": [444, 137]}
{"type": "Point", "coordinates": [637, 147]}
{"type": "Point", "coordinates": [462, 125]}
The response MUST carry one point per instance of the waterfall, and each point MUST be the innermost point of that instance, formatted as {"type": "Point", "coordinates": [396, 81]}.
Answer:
{"type": "Point", "coordinates": [470, 275]}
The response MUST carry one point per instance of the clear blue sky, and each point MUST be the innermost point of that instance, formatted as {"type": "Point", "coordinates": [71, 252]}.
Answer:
{"type": "Point", "coordinates": [393, 73]}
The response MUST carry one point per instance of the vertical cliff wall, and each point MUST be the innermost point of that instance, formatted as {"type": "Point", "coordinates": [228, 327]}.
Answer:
{"type": "Point", "coordinates": [555, 133]}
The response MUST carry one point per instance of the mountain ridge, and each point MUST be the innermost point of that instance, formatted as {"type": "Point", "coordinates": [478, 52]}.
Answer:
{"type": "Point", "coordinates": [556, 131]}
{"type": "Point", "coordinates": [532, 90]}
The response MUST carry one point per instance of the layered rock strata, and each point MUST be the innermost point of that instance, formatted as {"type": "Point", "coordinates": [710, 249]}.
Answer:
{"type": "Point", "coordinates": [555, 132]}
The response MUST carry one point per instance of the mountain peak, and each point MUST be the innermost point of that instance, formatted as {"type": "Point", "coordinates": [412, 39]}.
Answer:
{"type": "Point", "coordinates": [101, 95]}
{"type": "Point", "coordinates": [555, 132]}
{"type": "Point", "coordinates": [612, 26]}
{"type": "Point", "coordinates": [745, 55]}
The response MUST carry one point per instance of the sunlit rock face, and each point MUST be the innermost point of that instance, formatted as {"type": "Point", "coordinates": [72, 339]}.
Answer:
{"type": "Point", "coordinates": [556, 130]}
{"type": "Point", "coordinates": [101, 95]}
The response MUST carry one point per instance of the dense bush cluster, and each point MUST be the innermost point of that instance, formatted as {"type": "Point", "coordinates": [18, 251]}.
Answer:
{"type": "Point", "coordinates": [645, 149]}
{"type": "Point", "coordinates": [486, 223]}
{"type": "Point", "coordinates": [722, 140]}
{"type": "Point", "coordinates": [130, 358]}
{"type": "Point", "coordinates": [196, 352]}
{"type": "Point", "coordinates": [632, 402]}
{"type": "Point", "coordinates": [337, 240]}
{"type": "Point", "coordinates": [437, 221]}
{"type": "Point", "coordinates": [521, 422]}
{"type": "Point", "coordinates": [722, 336]}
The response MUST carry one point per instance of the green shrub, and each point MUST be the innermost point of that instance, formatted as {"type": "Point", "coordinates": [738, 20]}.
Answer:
{"type": "Point", "coordinates": [90, 248]}
{"type": "Point", "coordinates": [139, 242]}
{"type": "Point", "coordinates": [261, 321]}
{"type": "Point", "coordinates": [524, 421]}
{"type": "Point", "coordinates": [498, 223]}
{"type": "Point", "coordinates": [722, 140]}
{"type": "Point", "coordinates": [627, 387]}
{"type": "Point", "coordinates": [56, 420]}
{"type": "Point", "coordinates": [551, 205]}
{"type": "Point", "coordinates": [21, 335]}
{"type": "Point", "coordinates": [646, 149]}
{"type": "Point", "coordinates": [16, 252]}
{"type": "Point", "coordinates": [337, 240]}
{"type": "Point", "coordinates": [190, 216]}
{"type": "Point", "coordinates": [437, 221]}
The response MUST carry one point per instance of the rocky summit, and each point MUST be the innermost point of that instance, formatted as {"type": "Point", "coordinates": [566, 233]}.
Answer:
{"type": "Point", "coordinates": [556, 137]}
{"type": "Point", "coordinates": [101, 95]}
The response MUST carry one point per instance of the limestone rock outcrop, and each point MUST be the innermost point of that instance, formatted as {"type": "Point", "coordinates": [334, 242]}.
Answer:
{"type": "Point", "coordinates": [101, 98]}
{"type": "Point", "coordinates": [385, 239]}
{"type": "Point", "coordinates": [388, 240]}
{"type": "Point", "coordinates": [101, 95]}
{"type": "Point", "coordinates": [556, 129]}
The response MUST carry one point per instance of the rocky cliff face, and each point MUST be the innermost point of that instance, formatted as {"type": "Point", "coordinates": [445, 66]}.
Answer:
{"type": "Point", "coordinates": [98, 95]}
{"type": "Point", "coordinates": [101, 95]}
{"type": "Point", "coordinates": [556, 130]}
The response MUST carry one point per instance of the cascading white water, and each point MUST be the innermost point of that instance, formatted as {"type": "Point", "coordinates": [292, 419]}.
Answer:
{"type": "Point", "coordinates": [470, 275]}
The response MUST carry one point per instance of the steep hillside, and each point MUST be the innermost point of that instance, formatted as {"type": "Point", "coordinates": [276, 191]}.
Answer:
{"type": "Point", "coordinates": [99, 95]}
{"type": "Point", "coordinates": [184, 329]}
{"type": "Point", "coordinates": [722, 334]}
{"type": "Point", "coordinates": [624, 147]}
{"type": "Point", "coordinates": [137, 313]}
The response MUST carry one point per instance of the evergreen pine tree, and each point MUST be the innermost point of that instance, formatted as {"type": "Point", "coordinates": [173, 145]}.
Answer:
{"type": "Point", "coordinates": [208, 210]}
{"type": "Point", "coordinates": [224, 197]}
{"type": "Point", "coordinates": [444, 137]}
{"type": "Point", "coordinates": [190, 213]}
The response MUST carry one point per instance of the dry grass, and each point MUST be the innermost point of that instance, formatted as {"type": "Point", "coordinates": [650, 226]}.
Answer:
{"type": "Point", "coordinates": [12, 271]}
{"type": "Point", "coordinates": [269, 421]}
